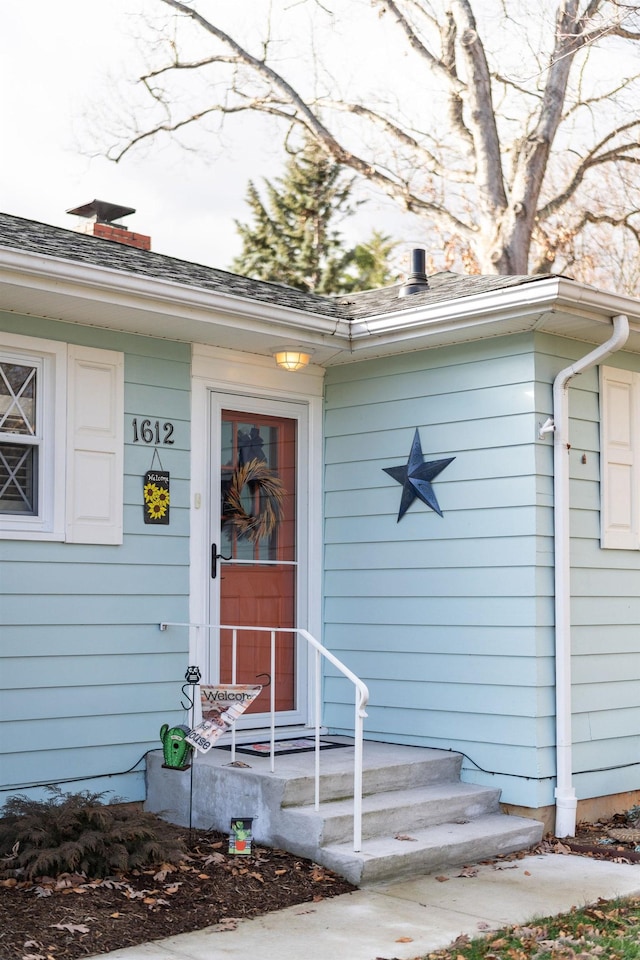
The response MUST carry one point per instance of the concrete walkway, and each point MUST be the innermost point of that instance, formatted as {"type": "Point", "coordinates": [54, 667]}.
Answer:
{"type": "Point", "coordinates": [405, 919]}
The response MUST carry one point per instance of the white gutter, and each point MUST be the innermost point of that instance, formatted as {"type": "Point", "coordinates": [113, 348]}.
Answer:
{"type": "Point", "coordinates": [566, 802]}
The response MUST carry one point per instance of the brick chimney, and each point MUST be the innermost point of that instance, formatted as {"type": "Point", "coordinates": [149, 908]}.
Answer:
{"type": "Point", "coordinates": [99, 216]}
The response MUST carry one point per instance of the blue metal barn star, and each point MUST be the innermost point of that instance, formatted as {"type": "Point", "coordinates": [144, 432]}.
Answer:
{"type": "Point", "coordinates": [416, 478]}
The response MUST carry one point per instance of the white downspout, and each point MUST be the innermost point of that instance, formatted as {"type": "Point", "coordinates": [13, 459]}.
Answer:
{"type": "Point", "coordinates": [566, 802]}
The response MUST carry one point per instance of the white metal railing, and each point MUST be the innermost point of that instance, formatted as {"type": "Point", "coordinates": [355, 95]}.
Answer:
{"type": "Point", "coordinates": [361, 697]}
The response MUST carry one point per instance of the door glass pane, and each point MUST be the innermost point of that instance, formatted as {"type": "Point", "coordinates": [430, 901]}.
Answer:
{"type": "Point", "coordinates": [257, 531]}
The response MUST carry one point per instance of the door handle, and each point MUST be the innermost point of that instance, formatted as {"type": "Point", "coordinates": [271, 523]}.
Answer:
{"type": "Point", "coordinates": [215, 556]}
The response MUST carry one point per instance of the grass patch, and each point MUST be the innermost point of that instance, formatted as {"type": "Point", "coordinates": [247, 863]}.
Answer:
{"type": "Point", "coordinates": [608, 929]}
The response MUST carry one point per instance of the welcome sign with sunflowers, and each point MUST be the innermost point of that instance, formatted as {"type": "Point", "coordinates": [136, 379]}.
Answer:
{"type": "Point", "coordinates": [156, 497]}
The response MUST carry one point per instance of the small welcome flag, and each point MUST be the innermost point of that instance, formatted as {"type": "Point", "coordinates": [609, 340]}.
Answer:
{"type": "Point", "coordinates": [221, 707]}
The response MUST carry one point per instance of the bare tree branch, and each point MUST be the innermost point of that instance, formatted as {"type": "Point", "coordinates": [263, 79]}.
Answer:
{"type": "Point", "coordinates": [403, 137]}
{"type": "Point", "coordinates": [484, 155]}
{"type": "Point", "coordinates": [594, 158]}
{"type": "Point", "coordinates": [419, 47]}
{"type": "Point", "coordinates": [482, 122]}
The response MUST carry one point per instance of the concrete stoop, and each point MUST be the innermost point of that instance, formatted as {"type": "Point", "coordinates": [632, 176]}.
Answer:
{"type": "Point", "coordinates": [417, 816]}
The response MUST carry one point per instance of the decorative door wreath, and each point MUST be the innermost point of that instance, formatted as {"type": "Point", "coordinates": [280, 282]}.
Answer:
{"type": "Point", "coordinates": [271, 494]}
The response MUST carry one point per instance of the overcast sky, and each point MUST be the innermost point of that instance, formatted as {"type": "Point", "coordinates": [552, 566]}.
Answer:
{"type": "Point", "coordinates": [55, 60]}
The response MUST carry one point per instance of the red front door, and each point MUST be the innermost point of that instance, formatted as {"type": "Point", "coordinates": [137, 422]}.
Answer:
{"type": "Point", "coordinates": [257, 570]}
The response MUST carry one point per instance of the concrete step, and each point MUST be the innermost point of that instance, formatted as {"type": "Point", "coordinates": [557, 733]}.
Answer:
{"type": "Point", "coordinates": [433, 849]}
{"type": "Point", "coordinates": [389, 812]}
{"type": "Point", "coordinates": [407, 791]}
{"type": "Point", "coordinates": [385, 767]}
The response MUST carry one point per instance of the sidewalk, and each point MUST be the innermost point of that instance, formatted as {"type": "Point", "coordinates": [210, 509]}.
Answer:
{"type": "Point", "coordinates": [371, 923]}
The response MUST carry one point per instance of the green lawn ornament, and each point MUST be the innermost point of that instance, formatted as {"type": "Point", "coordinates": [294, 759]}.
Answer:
{"type": "Point", "coordinates": [177, 751]}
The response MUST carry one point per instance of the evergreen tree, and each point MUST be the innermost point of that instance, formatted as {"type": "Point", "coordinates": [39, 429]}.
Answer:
{"type": "Point", "coordinates": [370, 265]}
{"type": "Point", "coordinates": [292, 240]}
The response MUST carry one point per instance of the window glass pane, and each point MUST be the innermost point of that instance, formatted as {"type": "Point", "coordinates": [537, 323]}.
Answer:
{"type": "Point", "coordinates": [18, 472]}
{"type": "Point", "coordinates": [17, 398]}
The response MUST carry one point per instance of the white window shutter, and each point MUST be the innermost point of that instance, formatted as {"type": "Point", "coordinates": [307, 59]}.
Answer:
{"type": "Point", "coordinates": [95, 438]}
{"type": "Point", "coordinates": [619, 458]}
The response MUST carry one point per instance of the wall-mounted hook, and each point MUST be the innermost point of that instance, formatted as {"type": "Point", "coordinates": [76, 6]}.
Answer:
{"type": "Point", "coordinates": [268, 683]}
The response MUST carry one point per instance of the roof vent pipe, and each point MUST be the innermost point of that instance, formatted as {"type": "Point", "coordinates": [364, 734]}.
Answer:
{"type": "Point", "coordinates": [417, 281]}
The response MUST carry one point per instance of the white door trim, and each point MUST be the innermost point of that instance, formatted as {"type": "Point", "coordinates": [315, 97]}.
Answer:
{"type": "Point", "coordinates": [248, 377]}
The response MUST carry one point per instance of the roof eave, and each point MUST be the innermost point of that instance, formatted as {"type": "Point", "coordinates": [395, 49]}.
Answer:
{"type": "Point", "coordinates": [542, 305]}
{"type": "Point", "coordinates": [108, 298]}
{"type": "Point", "coordinates": [132, 303]}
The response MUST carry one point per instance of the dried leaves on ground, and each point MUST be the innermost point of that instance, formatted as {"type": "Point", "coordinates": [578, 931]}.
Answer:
{"type": "Point", "coordinates": [69, 916]}
{"type": "Point", "coordinates": [615, 839]}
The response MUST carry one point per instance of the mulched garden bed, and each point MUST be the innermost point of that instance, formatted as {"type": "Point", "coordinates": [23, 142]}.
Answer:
{"type": "Point", "coordinates": [615, 839]}
{"type": "Point", "coordinates": [67, 917]}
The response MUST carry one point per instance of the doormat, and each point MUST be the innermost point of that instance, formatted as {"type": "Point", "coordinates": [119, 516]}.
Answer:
{"type": "Point", "coordinates": [283, 747]}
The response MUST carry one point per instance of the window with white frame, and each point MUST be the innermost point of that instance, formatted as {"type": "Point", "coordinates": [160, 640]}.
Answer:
{"type": "Point", "coordinates": [20, 435]}
{"type": "Point", "coordinates": [619, 458]}
{"type": "Point", "coordinates": [61, 441]}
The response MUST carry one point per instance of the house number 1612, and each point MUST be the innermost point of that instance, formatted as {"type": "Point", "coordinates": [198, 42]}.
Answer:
{"type": "Point", "coordinates": [152, 431]}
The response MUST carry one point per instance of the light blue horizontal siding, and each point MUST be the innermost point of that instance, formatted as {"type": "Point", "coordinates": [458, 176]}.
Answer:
{"type": "Point", "coordinates": [89, 764]}
{"type": "Point", "coordinates": [93, 700]}
{"type": "Point", "coordinates": [462, 611]}
{"type": "Point", "coordinates": [504, 403]}
{"type": "Point", "coordinates": [489, 640]}
{"type": "Point", "coordinates": [448, 619]}
{"type": "Point", "coordinates": [606, 724]}
{"type": "Point", "coordinates": [134, 550]}
{"type": "Point", "coordinates": [95, 670]}
{"type": "Point", "coordinates": [605, 667]}
{"type": "Point", "coordinates": [587, 640]}
{"type": "Point", "coordinates": [415, 582]}
{"type": "Point", "coordinates": [439, 440]}
{"type": "Point", "coordinates": [118, 611]}
{"type": "Point", "coordinates": [479, 465]}
{"type": "Point", "coordinates": [88, 676]}
{"type": "Point", "coordinates": [435, 718]}
{"type": "Point", "coordinates": [504, 492]}
{"type": "Point", "coordinates": [478, 582]}
{"type": "Point", "coordinates": [605, 608]}
{"type": "Point", "coordinates": [169, 404]}
{"type": "Point", "coordinates": [478, 670]}
{"type": "Point", "coordinates": [32, 736]}
{"type": "Point", "coordinates": [461, 553]}
{"type": "Point", "coordinates": [28, 578]}
{"type": "Point", "coordinates": [481, 523]}
{"type": "Point", "coordinates": [70, 640]}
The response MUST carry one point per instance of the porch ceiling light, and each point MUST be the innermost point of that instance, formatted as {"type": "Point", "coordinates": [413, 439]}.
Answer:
{"type": "Point", "coordinates": [292, 358]}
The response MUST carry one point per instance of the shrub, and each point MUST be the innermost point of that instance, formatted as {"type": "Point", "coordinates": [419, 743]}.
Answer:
{"type": "Point", "coordinates": [78, 833]}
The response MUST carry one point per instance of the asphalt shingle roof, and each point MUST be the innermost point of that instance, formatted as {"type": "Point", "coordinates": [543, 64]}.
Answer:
{"type": "Point", "coordinates": [43, 239]}
{"type": "Point", "coordinates": [60, 243]}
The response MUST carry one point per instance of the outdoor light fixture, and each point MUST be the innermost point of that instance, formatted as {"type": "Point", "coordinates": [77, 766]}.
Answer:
{"type": "Point", "coordinates": [292, 358]}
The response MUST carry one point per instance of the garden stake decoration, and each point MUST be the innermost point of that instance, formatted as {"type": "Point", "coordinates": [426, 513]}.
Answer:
{"type": "Point", "coordinates": [176, 750]}
{"type": "Point", "coordinates": [240, 836]}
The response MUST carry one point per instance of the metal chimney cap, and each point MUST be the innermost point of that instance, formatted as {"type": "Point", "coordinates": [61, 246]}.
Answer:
{"type": "Point", "coordinates": [417, 281]}
{"type": "Point", "coordinates": [102, 211]}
